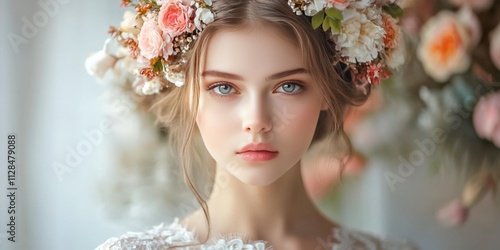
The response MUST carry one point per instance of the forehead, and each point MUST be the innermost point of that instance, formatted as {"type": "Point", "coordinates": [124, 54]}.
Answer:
{"type": "Point", "coordinates": [252, 52]}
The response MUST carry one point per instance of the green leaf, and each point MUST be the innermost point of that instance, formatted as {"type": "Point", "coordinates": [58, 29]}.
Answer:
{"type": "Point", "coordinates": [157, 66]}
{"type": "Point", "coordinates": [335, 25]}
{"type": "Point", "coordinates": [334, 13]}
{"type": "Point", "coordinates": [394, 10]}
{"type": "Point", "coordinates": [326, 24]}
{"type": "Point", "coordinates": [318, 19]}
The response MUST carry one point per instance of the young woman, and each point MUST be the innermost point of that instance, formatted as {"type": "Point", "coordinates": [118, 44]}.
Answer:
{"type": "Point", "coordinates": [258, 86]}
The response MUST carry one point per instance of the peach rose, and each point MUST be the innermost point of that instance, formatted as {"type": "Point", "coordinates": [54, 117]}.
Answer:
{"type": "Point", "coordinates": [175, 18]}
{"type": "Point", "coordinates": [150, 39]}
{"type": "Point", "coordinates": [495, 46]}
{"type": "Point", "coordinates": [392, 34]}
{"type": "Point", "coordinates": [443, 47]}
{"type": "Point", "coordinates": [339, 4]}
{"type": "Point", "coordinates": [486, 118]}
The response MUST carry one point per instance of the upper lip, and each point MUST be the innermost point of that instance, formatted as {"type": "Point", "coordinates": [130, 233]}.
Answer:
{"type": "Point", "coordinates": [256, 147]}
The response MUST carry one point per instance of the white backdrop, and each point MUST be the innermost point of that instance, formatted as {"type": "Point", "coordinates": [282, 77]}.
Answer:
{"type": "Point", "coordinates": [48, 101]}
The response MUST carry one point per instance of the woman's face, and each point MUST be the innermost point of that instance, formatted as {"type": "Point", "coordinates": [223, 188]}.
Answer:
{"type": "Point", "coordinates": [256, 89]}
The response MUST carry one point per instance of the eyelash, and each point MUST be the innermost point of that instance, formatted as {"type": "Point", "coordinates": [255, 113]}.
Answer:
{"type": "Point", "coordinates": [215, 85]}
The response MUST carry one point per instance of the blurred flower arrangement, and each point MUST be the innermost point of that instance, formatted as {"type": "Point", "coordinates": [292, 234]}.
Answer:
{"type": "Point", "coordinates": [445, 102]}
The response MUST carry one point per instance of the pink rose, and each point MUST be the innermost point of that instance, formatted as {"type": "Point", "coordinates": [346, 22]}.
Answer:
{"type": "Point", "coordinates": [453, 214]}
{"type": "Point", "coordinates": [495, 46]}
{"type": "Point", "coordinates": [486, 118]}
{"type": "Point", "coordinates": [168, 46]}
{"type": "Point", "coordinates": [150, 39]}
{"type": "Point", "coordinates": [175, 18]}
{"type": "Point", "coordinates": [339, 4]}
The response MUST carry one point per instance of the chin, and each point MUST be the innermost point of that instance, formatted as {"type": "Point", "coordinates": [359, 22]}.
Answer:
{"type": "Point", "coordinates": [259, 178]}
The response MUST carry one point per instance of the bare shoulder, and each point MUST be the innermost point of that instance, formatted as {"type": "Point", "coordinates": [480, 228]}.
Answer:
{"type": "Point", "coordinates": [157, 237]}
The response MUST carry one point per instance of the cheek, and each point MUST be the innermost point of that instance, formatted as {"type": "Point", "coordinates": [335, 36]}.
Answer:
{"type": "Point", "coordinates": [299, 118]}
{"type": "Point", "coordinates": [216, 122]}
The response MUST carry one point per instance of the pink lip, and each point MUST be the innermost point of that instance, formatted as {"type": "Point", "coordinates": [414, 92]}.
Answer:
{"type": "Point", "coordinates": [257, 152]}
{"type": "Point", "coordinates": [257, 147]}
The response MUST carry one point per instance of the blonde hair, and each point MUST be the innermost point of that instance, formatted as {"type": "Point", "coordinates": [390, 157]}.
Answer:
{"type": "Point", "coordinates": [177, 108]}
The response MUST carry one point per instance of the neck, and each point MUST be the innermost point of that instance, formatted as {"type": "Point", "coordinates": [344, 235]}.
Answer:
{"type": "Point", "coordinates": [281, 208]}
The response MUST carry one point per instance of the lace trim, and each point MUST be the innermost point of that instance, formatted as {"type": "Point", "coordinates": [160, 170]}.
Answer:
{"type": "Point", "coordinates": [162, 236]}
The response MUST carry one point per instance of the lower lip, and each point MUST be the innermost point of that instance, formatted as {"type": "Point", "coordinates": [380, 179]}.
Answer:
{"type": "Point", "coordinates": [257, 155]}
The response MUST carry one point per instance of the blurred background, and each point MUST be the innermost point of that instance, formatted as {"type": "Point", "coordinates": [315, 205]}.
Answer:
{"type": "Point", "coordinates": [90, 166]}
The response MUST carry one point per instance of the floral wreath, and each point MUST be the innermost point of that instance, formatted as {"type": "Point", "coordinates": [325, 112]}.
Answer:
{"type": "Point", "coordinates": [154, 40]}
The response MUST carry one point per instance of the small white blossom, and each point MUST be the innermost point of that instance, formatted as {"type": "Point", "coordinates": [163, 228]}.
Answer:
{"type": "Point", "coordinates": [176, 78]}
{"type": "Point", "coordinates": [315, 7]}
{"type": "Point", "coordinates": [152, 87]}
{"type": "Point", "coordinates": [203, 15]}
{"type": "Point", "coordinates": [131, 23]}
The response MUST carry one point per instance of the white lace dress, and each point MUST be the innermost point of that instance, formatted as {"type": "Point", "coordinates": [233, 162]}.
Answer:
{"type": "Point", "coordinates": [163, 236]}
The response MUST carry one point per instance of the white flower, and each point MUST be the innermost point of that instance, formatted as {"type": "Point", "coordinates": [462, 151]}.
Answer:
{"type": "Point", "coordinates": [360, 39]}
{"type": "Point", "coordinates": [315, 7]}
{"type": "Point", "coordinates": [152, 87]}
{"type": "Point", "coordinates": [176, 78]}
{"type": "Point", "coordinates": [361, 4]}
{"type": "Point", "coordinates": [99, 63]}
{"type": "Point", "coordinates": [203, 15]}
{"type": "Point", "coordinates": [131, 23]}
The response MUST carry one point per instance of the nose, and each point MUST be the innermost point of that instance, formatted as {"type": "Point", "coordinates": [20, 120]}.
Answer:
{"type": "Point", "coordinates": [257, 115]}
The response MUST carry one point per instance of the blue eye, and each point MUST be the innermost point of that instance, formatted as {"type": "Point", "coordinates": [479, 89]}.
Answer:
{"type": "Point", "coordinates": [290, 88]}
{"type": "Point", "coordinates": [222, 89]}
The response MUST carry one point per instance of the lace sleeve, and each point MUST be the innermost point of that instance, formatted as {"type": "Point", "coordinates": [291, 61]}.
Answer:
{"type": "Point", "coordinates": [159, 237]}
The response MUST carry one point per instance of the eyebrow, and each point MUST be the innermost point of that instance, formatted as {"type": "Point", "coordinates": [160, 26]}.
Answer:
{"type": "Point", "coordinates": [276, 76]}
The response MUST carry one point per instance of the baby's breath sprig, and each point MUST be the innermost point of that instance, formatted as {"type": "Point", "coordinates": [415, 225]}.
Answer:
{"type": "Point", "coordinates": [299, 6]}
{"type": "Point", "coordinates": [129, 43]}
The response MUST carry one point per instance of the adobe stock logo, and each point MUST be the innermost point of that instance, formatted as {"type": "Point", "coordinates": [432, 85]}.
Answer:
{"type": "Point", "coordinates": [49, 9]}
